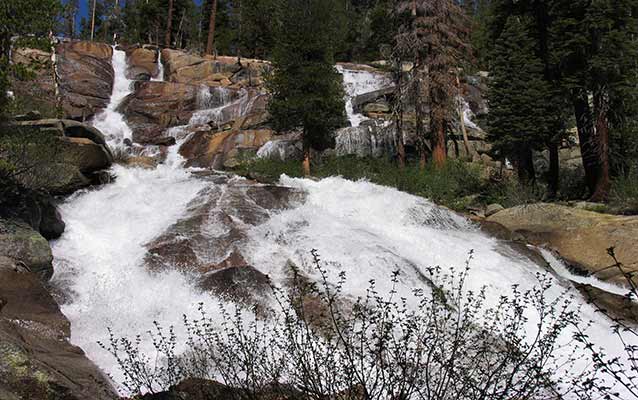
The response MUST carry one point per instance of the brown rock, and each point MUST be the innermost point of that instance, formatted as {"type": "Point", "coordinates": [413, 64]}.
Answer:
{"type": "Point", "coordinates": [85, 154]}
{"type": "Point", "coordinates": [212, 71]}
{"type": "Point", "coordinates": [141, 162]}
{"type": "Point", "coordinates": [142, 63]}
{"type": "Point", "coordinates": [612, 304]}
{"type": "Point", "coordinates": [85, 77]}
{"type": "Point", "coordinates": [580, 237]}
{"type": "Point", "coordinates": [36, 359]}
{"type": "Point", "coordinates": [217, 150]}
{"type": "Point", "coordinates": [155, 106]}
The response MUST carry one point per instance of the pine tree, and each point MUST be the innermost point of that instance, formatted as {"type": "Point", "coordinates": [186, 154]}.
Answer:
{"type": "Point", "coordinates": [595, 45]}
{"type": "Point", "coordinates": [436, 40]}
{"type": "Point", "coordinates": [306, 89]}
{"type": "Point", "coordinates": [257, 30]}
{"type": "Point", "coordinates": [519, 97]}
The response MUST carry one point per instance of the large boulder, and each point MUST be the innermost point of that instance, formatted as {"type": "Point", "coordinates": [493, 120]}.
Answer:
{"type": "Point", "coordinates": [36, 209]}
{"type": "Point", "coordinates": [37, 362]}
{"type": "Point", "coordinates": [580, 237]}
{"type": "Point", "coordinates": [78, 152]}
{"type": "Point", "coordinates": [156, 106]}
{"type": "Point", "coordinates": [223, 149]}
{"type": "Point", "coordinates": [21, 242]}
{"type": "Point", "coordinates": [85, 77]}
{"type": "Point", "coordinates": [142, 63]}
{"type": "Point", "coordinates": [182, 67]}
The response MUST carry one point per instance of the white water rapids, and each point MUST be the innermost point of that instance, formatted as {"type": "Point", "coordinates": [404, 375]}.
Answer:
{"type": "Point", "coordinates": [363, 229]}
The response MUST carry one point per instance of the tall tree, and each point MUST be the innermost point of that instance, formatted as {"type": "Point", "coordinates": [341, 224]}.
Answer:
{"type": "Point", "coordinates": [594, 42]}
{"type": "Point", "coordinates": [437, 39]}
{"type": "Point", "coordinates": [306, 89]}
{"type": "Point", "coordinates": [519, 97]}
{"type": "Point", "coordinates": [211, 27]}
{"type": "Point", "coordinates": [71, 9]}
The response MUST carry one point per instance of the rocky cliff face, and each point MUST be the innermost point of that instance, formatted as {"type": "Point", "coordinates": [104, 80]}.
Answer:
{"type": "Point", "coordinates": [85, 77]}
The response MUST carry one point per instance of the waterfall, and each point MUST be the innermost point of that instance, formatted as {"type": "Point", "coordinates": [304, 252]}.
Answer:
{"type": "Point", "coordinates": [362, 229]}
{"type": "Point", "coordinates": [110, 122]}
{"type": "Point", "coordinates": [160, 68]}
{"type": "Point", "coordinates": [356, 83]}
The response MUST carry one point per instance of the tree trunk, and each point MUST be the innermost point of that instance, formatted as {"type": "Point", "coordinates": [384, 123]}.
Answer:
{"type": "Point", "coordinates": [439, 148]}
{"type": "Point", "coordinates": [554, 170]}
{"type": "Point", "coordinates": [169, 24]}
{"type": "Point", "coordinates": [585, 126]}
{"type": "Point", "coordinates": [525, 166]}
{"type": "Point", "coordinates": [601, 146]}
{"type": "Point", "coordinates": [306, 161]}
{"type": "Point", "coordinates": [211, 27]}
{"type": "Point", "coordinates": [93, 20]}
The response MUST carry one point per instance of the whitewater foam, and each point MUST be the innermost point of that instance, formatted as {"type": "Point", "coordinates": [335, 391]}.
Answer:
{"type": "Point", "coordinates": [356, 83]}
{"type": "Point", "coordinates": [363, 229]}
{"type": "Point", "coordinates": [110, 122]}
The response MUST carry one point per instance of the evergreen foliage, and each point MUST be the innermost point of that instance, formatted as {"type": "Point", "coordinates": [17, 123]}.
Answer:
{"type": "Point", "coordinates": [22, 17]}
{"type": "Point", "coordinates": [306, 89]}
{"type": "Point", "coordinates": [520, 98]}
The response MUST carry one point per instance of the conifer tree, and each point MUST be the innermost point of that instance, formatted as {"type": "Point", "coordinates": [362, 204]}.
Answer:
{"type": "Point", "coordinates": [596, 47]}
{"type": "Point", "coordinates": [306, 89]}
{"type": "Point", "coordinates": [437, 40]}
{"type": "Point", "coordinates": [520, 117]}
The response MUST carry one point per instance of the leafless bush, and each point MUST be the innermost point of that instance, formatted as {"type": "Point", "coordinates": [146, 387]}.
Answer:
{"type": "Point", "coordinates": [443, 343]}
{"type": "Point", "coordinates": [614, 369]}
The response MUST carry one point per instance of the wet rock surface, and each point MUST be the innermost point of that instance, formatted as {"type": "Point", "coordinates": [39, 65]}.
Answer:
{"type": "Point", "coordinates": [156, 106]}
{"type": "Point", "coordinates": [208, 242]}
{"type": "Point", "coordinates": [85, 77]}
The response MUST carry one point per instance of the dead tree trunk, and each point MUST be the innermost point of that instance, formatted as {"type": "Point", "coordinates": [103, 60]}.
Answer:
{"type": "Point", "coordinates": [211, 27]}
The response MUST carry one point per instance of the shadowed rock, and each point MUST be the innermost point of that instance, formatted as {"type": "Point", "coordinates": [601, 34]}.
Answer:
{"type": "Point", "coordinates": [36, 359]}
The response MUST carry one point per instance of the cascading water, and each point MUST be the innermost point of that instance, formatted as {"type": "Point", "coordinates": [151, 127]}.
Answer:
{"type": "Point", "coordinates": [356, 83]}
{"type": "Point", "coordinates": [160, 69]}
{"type": "Point", "coordinates": [362, 229]}
{"type": "Point", "coordinates": [110, 122]}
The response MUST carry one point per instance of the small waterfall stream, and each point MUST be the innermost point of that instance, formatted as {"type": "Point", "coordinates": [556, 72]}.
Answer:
{"type": "Point", "coordinates": [358, 227]}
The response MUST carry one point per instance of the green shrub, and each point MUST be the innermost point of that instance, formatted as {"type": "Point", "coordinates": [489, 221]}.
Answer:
{"type": "Point", "coordinates": [510, 192]}
{"type": "Point", "coordinates": [33, 42]}
{"type": "Point", "coordinates": [445, 186]}
{"type": "Point", "coordinates": [624, 193]}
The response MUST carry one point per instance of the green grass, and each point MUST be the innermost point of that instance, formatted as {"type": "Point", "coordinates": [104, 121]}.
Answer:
{"type": "Point", "coordinates": [449, 186]}
{"type": "Point", "coordinates": [623, 197]}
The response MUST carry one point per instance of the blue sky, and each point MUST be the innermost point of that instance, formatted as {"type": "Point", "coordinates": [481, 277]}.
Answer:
{"type": "Point", "coordinates": [85, 6]}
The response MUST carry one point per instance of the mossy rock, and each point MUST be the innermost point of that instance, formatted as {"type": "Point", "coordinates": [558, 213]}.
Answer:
{"type": "Point", "coordinates": [21, 242]}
